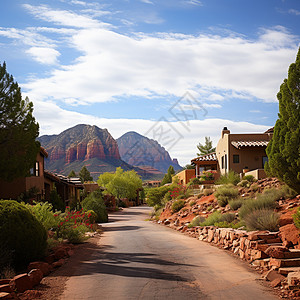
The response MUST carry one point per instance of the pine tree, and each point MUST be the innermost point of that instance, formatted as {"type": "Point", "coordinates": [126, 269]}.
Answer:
{"type": "Point", "coordinates": [18, 130]}
{"type": "Point", "coordinates": [168, 177]}
{"type": "Point", "coordinates": [206, 148]}
{"type": "Point", "coordinates": [72, 174]}
{"type": "Point", "coordinates": [85, 175]}
{"type": "Point", "coordinates": [283, 150]}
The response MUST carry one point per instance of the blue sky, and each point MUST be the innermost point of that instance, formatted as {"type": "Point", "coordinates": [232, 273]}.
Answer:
{"type": "Point", "coordinates": [185, 67]}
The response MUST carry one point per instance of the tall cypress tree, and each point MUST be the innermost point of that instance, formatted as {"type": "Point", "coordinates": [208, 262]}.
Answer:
{"type": "Point", "coordinates": [18, 130]}
{"type": "Point", "coordinates": [284, 149]}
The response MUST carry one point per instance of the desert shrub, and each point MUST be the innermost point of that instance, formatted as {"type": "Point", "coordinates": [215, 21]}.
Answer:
{"type": "Point", "coordinates": [244, 183]}
{"type": "Point", "coordinates": [228, 217]}
{"type": "Point", "coordinates": [177, 205]}
{"type": "Point", "coordinates": [215, 217]}
{"type": "Point", "coordinates": [94, 201]}
{"type": "Point", "coordinates": [226, 193]}
{"type": "Point", "coordinates": [208, 192]}
{"type": "Point", "coordinates": [288, 192]}
{"type": "Point", "coordinates": [154, 196]}
{"type": "Point", "coordinates": [209, 208]}
{"type": "Point", "coordinates": [56, 201]}
{"type": "Point", "coordinates": [262, 219]}
{"type": "Point", "coordinates": [196, 221]}
{"type": "Point", "coordinates": [75, 235]}
{"type": "Point", "coordinates": [271, 194]}
{"type": "Point", "coordinates": [230, 178]}
{"type": "Point", "coordinates": [267, 200]}
{"type": "Point", "coordinates": [43, 211]}
{"type": "Point", "coordinates": [21, 233]}
{"type": "Point", "coordinates": [194, 181]}
{"type": "Point", "coordinates": [296, 218]}
{"type": "Point", "coordinates": [249, 178]}
{"type": "Point", "coordinates": [254, 187]}
{"type": "Point", "coordinates": [192, 202]}
{"type": "Point", "coordinates": [235, 203]}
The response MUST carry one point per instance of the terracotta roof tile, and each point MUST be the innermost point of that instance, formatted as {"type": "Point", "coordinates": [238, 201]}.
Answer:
{"type": "Point", "coordinates": [208, 157]}
{"type": "Point", "coordinates": [243, 144]}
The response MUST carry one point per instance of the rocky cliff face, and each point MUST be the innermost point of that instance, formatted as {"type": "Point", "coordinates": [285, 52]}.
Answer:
{"type": "Point", "coordinates": [82, 142]}
{"type": "Point", "coordinates": [138, 150]}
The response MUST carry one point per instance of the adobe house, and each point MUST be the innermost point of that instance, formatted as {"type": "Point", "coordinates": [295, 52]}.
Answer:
{"type": "Point", "coordinates": [185, 176]}
{"type": "Point", "coordinates": [43, 182]}
{"type": "Point", "coordinates": [207, 162]}
{"type": "Point", "coordinates": [243, 153]}
{"type": "Point", "coordinates": [13, 189]}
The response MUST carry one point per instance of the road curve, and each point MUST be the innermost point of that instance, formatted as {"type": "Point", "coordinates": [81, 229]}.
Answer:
{"type": "Point", "coordinates": [141, 260]}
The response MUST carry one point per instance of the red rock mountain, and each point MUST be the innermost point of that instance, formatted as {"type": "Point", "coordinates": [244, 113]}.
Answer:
{"type": "Point", "coordinates": [82, 145]}
{"type": "Point", "coordinates": [82, 142]}
{"type": "Point", "coordinates": [138, 150]}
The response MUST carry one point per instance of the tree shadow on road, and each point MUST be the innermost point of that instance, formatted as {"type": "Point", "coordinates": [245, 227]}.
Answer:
{"type": "Point", "coordinates": [114, 263]}
{"type": "Point", "coordinates": [121, 228]}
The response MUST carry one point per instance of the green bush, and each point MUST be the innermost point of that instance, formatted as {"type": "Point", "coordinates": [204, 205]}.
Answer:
{"type": "Point", "coordinates": [236, 203]}
{"type": "Point", "coordinates": [249, 178]}
{"type": "Point", "coordinates": [288, 192]}
{"type": "Point", "coordinates": [230, 178]}
{"type": "Point", "coordinates": [196, 221]}
{"type": "Point", "coordinates": [91, 216]}
{"type": "Point", "coordinates": [215, 217]}
{"type": "Point", "coordinates": [44, 213]}
{"type": "Point", "coordinates": [155, 196]}
{"type": "Point", "coordinates": [194, 181]}
{"type": "Point", "coordinates": [208, 192]}
{"type": "Point", "coordinates": [21, 233]}
{"type": "Point", "coordinates": [271, 194]}
{"type": "Point", "coordinates": [262, 219]}
{"type": "Point", "coordinates": [56, 201]}
{"type": "Point", "coordinates": [75, 235]}
{"type": "Point", "coordinates": [296, 218]}
{"type": "Point", "coordinates": [228, 217]}
{"type": "Point", "coordinates": [177, 205]}
{"type": "Point", "coordinates": [244, 183]}
{"type": "Point", "coordinates": [266, 200]}
{"type": "Point", "coordinates": [254, 187]}
{"type": "Point", "coordinates": [94, 201]}
{"type": "Point", "coordinates": [226, 193]}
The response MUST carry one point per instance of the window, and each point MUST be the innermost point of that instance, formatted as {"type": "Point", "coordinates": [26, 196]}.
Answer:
{"type": "Point", "coordinates": [264, 160]}
{"type": "Point", "coordinates": [222, 162]}
{"type": "Point", "coordinates": [36, 170]}
{"type": "Point", "coordinates": [236, 159]}
{"type": "Point", "coordinates": [225, 158]}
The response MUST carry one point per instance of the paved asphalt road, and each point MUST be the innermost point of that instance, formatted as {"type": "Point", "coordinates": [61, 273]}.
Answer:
{"type": "Point", "coordinates": [141, 260]}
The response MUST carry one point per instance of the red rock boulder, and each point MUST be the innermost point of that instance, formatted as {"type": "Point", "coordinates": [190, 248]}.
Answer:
{"type": "Point", "coordinates": [21, 283]}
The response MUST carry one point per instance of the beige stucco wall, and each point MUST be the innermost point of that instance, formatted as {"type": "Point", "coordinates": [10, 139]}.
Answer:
{"type": "Point", "coordinates": [185, 176]}
{"type": "Point", "coordinates": [248, 157]}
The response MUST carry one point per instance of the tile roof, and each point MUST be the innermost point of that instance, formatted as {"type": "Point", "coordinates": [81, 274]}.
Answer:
{"type": "Point", "coordinates": [243, 144]}
{"type": "Point", "coordinates": [208, 157]}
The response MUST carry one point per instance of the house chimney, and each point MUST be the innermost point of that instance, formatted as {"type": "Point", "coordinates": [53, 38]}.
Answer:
{"type": "Point", "coordinates": [225, 130]}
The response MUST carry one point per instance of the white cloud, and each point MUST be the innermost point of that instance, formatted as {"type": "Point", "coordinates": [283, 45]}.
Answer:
{"type": "Point", "coordinates": [147, 1]}
{"type": "Point", "coordinates": [255, 111]}
{"type": "Point", "coordinates": [44, 55]}
{"type": "Point", "coordinates": [194, 2]}
{"type": "Point", "coordinates": [117, 65]}
{"type": "Point", "coordinates": [213, 105]}
{"type": "Point", "coordinates": [63, 17]}
{"type": "Point", "coordinates": [294, 12]}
